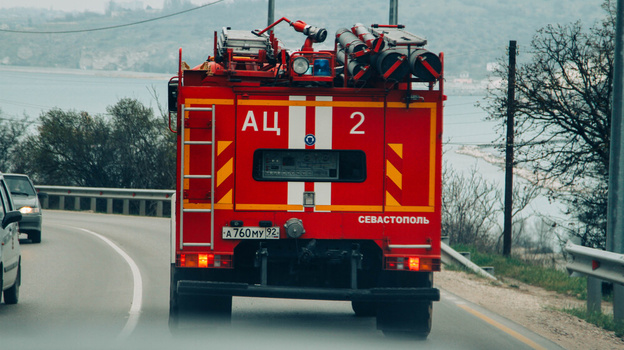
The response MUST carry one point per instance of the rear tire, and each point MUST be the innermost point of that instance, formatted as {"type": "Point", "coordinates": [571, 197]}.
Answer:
{"type": "Point", "coordinates": [193, 313]}
{"type": "Point", "coordinates": [364, 308]}
{"type": "Point", "coordinates": [11, 295]}
{"type": "Point", "coordinates": [405, 319]}
{"type": "Point", "coordinates": [35, 237]}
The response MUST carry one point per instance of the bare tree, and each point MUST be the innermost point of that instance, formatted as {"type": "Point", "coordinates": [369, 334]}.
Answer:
{"type": "Point", "coordinates": [472, 208]}
{"type": "Point", "coordinates": [469, 208]}
{"type": "Point", "coordinates": [563, 111]}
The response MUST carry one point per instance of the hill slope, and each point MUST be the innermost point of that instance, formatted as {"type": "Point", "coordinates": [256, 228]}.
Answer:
{"type": "Point", "coordinates": [472, 33]}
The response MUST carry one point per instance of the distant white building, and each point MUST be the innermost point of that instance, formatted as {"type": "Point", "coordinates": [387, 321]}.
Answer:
{"type": "Point", "coordinates": [117, 8]}
{"type": "Point", "coordinates": [464, 78]}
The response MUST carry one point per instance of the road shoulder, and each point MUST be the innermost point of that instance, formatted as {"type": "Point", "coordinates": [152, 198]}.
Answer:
{"type": "Point", "coordinates": [532, 307]}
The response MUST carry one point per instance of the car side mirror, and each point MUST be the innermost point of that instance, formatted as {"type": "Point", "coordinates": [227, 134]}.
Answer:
{"type": "Point", "coordinates": [42, 195]}
{"type": "Point", "coordinates": [11, 217]}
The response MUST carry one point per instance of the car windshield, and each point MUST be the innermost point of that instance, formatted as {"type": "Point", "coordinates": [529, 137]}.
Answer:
{"type": "Point", "coordinates": [20, 186]}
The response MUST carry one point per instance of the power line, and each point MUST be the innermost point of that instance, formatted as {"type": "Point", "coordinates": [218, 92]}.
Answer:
{"type": "Point", "coordinates": [110, 27]}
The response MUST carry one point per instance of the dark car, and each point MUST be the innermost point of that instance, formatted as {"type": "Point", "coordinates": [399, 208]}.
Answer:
{"type": "Point", "coordinates": [27, 202]}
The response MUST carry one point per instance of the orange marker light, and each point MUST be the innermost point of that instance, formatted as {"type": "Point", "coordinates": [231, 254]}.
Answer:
{"type": "Point", "coordinates": [414, 264]}
{"type": "Point", "coordinates": [203, 260]}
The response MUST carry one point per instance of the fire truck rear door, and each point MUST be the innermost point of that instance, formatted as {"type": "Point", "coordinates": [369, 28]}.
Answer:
{"type": "Point", "coordinates": [340, 136]}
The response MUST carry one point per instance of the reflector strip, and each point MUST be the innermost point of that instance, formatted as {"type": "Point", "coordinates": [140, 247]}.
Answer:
{"type": "Point", "coordinates": [394, 174]}
{"type": "Point", "coordinates": [224, 151]}
{"type": "Point", "coordinates": [392, 204]}
{"type": "Point", "coordinates": [225, 171]}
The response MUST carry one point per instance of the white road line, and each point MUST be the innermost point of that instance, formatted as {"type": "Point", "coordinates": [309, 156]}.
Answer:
{"type": "Point", "coordinates": [137, 296]}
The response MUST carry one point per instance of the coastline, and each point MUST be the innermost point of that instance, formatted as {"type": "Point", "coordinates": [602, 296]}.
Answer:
{"type": "Point", "coordinates": [84, 72]}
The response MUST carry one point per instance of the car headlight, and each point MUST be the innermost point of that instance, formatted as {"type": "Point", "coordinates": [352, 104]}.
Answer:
{"type": "Point", "coordinates": [301, 65]}
{"type": "Point", "coordinates": [29, 210]}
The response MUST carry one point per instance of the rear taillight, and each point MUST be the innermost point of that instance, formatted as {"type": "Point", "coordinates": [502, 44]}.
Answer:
{"type": "Point", "coordinates": [204, 260]}
{"type": "Point", "coordinates": [412, 263]}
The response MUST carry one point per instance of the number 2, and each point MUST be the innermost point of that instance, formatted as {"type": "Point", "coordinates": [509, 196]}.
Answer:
{"type": "Point", "coordinates": [355, 130]}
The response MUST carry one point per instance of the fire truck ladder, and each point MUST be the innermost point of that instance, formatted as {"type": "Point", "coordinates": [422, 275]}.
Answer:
{"type": "Point", "coordinates": [184, 176]}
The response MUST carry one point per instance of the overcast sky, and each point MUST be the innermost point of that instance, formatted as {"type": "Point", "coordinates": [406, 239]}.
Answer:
{"type": "Point", "coordinates": [81, 5]}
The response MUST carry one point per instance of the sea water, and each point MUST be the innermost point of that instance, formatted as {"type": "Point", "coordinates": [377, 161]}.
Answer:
{"type": "Point", "coordinates": [29, 92]}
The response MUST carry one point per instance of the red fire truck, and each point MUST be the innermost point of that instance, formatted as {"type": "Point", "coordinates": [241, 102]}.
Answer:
{"type": "Point", "coordinates": [309, 174]}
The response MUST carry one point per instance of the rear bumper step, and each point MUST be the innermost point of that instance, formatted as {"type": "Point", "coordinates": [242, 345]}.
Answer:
{"type": "Point", "coordinates": [186, 287]}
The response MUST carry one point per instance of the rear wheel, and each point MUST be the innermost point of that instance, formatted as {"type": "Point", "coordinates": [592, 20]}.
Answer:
{"type": "Point", "coordinates": [364, 309]}
{"type": "Point", "coordinates": [35, 237]}
{"type": "Point", "coordinates": [407, 319]}
{"type": "Point", "coordinates": [189, 313]}
{"type": "Point", "coordinates": [199, 313]}
{"type": "Point", "coordinates": [11, 295]}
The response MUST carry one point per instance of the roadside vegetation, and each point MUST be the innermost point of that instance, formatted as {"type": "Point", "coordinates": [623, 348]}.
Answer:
{"type": "Point", "coordinates": [128, 147]}
{"type": "Point", "coordinates": [546, 274]}
{"type": "Point", "coordinates": [543, 272]}
{"type": "Point", "coordinates": [599, 319]}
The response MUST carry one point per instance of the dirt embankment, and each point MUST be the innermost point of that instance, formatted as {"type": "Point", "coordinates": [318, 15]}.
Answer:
{"type": "Point", "coordinates": [532, 307]}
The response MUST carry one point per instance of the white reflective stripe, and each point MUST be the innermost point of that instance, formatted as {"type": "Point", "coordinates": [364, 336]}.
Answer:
{"type": "Point", "coordinates": [323, 128]}
{"type": "Point", "coordinates": [295, 193]}
{"type": "Point", "coordinates": [296, 124]}
{"type": "Point", "coordinates": [410, 246]}
{"type": "Point", "coordinates": [197, 245]}
{"type": "Point", "coordinates": [323, 132]}
{"type": "Point", "coordinates": [296, 140]}
{"type": "Point", "coordinates": [322, 193]}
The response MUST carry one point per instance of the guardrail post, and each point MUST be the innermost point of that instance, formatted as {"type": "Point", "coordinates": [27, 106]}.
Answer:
{"type": "Point", "coordinates": [93, 204]}
{"type": "Point", "coordinates": [109, 205]}
{"type": "Point", "coordinates": [61, 202]}
{"type": "Point", "coordinates": [159, 208]}
{"type": "Point", "coordinates": [126, 206]}
{"type": "Point", "coordinates": [76, 203]}
{"type": "Point", "coordinates": [618, 302]}
{"type": "Point", "coordinates": [594, 294]}
{"type": "Point", "coordinates": [142, 207]}
{"type": "Point", "coordinates": [46, 202]}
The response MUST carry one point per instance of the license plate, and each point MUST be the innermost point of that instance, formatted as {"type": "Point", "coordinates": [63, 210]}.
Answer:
{"type": "Point", "coordinates": [251, 232]}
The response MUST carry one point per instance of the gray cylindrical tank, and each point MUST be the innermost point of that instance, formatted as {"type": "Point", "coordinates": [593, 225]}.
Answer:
{"type": "Point", "coordinates": [384, 62]}
{"type": "Point", "coordinates": [369, 39]}
{"type": "Point", "coordinates": [351, 43]}
{"type": "Point", "coordinates": [353, 66]}
{"type": "Point", "coordinates": [416, 59]}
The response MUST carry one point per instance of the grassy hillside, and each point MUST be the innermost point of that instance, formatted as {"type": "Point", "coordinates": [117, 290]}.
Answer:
{"type": "Point", "coordinates": [471, 33]}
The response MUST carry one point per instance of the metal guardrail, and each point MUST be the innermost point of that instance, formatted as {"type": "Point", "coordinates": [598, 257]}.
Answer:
{"type": "Point", "coordinates": [157, 198]}
{"type": "Point", "coordinates": [452, 257]}
{"type": "Point", "coordinates": [598, 263]}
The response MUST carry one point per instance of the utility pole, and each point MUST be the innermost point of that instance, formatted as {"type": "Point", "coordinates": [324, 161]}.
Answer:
{"type": "Point", "coordinates": [271, 13]}
{"type": "Point", "coordinates": [615, 207]}
{"type": "Point", "coordinates": [509, 149]}
{"type": "Point", "coordinates": [394, 12]}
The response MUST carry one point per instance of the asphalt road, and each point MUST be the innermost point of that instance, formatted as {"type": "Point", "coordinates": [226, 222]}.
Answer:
{"type": "Point", "coordinates": [102, 282]}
